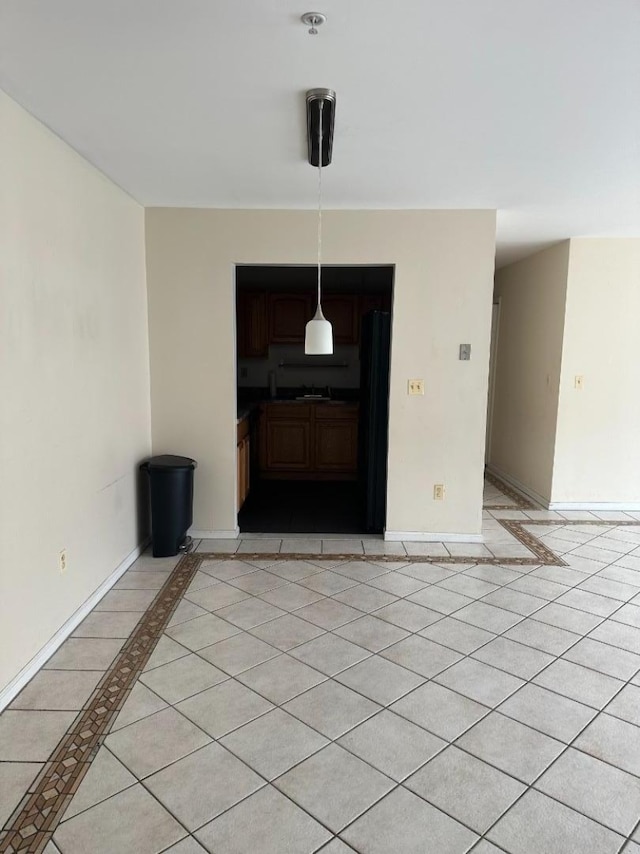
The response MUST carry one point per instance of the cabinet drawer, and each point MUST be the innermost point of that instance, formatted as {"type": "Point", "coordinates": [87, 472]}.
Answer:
{"type": "Point", "coordinates": [288, 411]}
{"type": "Point", "coordinates": [335, 411]}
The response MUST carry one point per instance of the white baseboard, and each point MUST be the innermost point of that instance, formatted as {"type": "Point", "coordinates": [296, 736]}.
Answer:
{"type": "Point", "coordinates": [10, 691]}
{"type": "Point", "coordinates": [214, 535]}
{"type": "Point", "coordinates": [520, 487]}
{"type": "Point", "coordinates": [428, 537]}
{"type": "Point", "coordinates": [612, 506]}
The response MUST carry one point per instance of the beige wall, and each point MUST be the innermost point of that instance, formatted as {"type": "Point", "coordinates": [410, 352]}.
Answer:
{"type": "Point", "coordinates": [74, 381]}
{"type": "Point", "coordinates": [532, 296]}
{"type": "Point", "coordinates": [598, 439]}
{"type": "Point", "coordinates": [443, 291]}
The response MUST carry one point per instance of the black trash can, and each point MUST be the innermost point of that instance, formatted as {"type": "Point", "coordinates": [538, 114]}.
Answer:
{"type": "Point", "coordinates": [171, 489]}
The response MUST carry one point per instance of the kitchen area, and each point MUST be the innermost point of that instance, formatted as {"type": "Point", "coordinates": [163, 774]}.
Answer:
{"type": "Point", "coordinates": [312, 430]}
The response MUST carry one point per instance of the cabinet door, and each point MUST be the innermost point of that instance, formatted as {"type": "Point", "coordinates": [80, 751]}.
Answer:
{"type": "Point", "coordinates": [336, 445]}
{"type": "Point", "coordinates": [241, 475]}
{"type": "Point", "coordinates": [288, 446]}
{"type": "Point", "coordinates": [342, 311]}
{"type": "Point", "coordinates": [247, 467]}
{"type": "Point", "coordinates": [288, 316]}
{"type": "Point", "coordinates": [252, 325]}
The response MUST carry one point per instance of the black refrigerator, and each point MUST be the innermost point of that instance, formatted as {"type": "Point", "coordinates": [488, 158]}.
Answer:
{"type": "Point", "coordinates": [373, 432]}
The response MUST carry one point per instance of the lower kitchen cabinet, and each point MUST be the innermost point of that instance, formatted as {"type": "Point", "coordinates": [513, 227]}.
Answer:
{"type": "Point", "coordinates": [309, 441]}
{"type": "Point", "coordinates": [336, 445]}
{"type": "Point", "coordinates": [244, 461]}
{"type": "Point", "coordinates": [287, 445]}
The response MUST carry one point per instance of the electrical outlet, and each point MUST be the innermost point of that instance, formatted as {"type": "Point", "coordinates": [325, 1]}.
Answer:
{"type": "Point", "coordinates": [579, 382]}
{"type": "Point", "coordinates": [415, 387]}
{"type": "Point", "coordinates": [62, 561]}
{"type": "Point", "coordinates": [438, 491]}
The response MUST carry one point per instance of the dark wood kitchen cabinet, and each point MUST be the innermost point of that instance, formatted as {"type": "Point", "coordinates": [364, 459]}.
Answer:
{"type": "Point", "coordinates": [342, 311]}
{"type": "Point", "coordinates": [252, 325]}
{"type": "Point", "coordinates": [288, 446]}
{"type": "Point", "coordinates": [266, 318]}
{"type": "Point", "coordinates": [336, 439]}
{"type": "Point", "coordinates": [309, 441]}
{"type": "Point", "coordinates": [288, 316]}
{"type": "Point", "coordinates": [243, 460]}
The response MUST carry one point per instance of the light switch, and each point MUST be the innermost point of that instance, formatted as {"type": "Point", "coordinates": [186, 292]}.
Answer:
{"type": "Point", "coordinates": [415, 387]}
{"type": "Point", "coordinates": [465, 352]}
{"type": "Point", "coordinates": [579, 382]}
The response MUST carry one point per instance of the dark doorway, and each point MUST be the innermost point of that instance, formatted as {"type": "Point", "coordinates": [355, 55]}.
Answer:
{"type": "Point", "coordinates": [312, 430]}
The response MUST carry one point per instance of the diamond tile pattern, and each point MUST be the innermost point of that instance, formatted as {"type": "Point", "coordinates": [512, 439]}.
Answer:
{"type": "Point", "coordinates": [334, 786]}
{"type": "Point", "coordinates": [354, 700]}
{"type": "Point", "coordinates": [470, 790]}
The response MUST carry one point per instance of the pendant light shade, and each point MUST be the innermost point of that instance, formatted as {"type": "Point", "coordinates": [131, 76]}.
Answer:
{"type": "Point", "coordinates": [318, 335]}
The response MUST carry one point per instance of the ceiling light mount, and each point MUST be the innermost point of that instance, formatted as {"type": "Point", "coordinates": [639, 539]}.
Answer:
{"type": "Point", "coordinates": [321, 108]}
{"type": "Point", "coordinates": [318, 333]}
{"type": "Point", "coordinates": [313, 20]}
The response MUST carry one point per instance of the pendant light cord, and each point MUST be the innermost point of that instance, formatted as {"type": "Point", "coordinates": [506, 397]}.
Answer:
{"type": "Point", "coordinates": [319, 199]}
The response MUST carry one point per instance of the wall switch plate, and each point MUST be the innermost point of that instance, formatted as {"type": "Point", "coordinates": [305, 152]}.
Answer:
{"type": "Point", "coordinates": [579, 382]}
{"type": "Point", "coordinates": [465, 352]}
{"type": "Point", "coordinates": [438, 491]}
{"type": "Point", "coordinates": [243, 373]}
{"type": "Point", "coordinates": [415, 387]}
{"type": "Point", "coordinates": [62, 561]}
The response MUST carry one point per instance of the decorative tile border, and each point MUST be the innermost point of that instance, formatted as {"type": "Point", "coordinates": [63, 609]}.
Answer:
{"type": "Point", "coordinates": [38, 814]}
{"type": "Point", "coordinates": [33, 822]}
{"type": "Point", "coordinates": [518, 501]}
{"type": "Point", "coordinates": [542, 555]}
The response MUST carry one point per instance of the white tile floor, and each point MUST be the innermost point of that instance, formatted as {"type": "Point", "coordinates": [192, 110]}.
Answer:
{"type": "Point", "coordinates": [295, 706]}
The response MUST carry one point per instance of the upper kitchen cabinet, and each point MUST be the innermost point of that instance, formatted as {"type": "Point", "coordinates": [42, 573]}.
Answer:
{"type": "Point", "coordinates": [288, 316]}
{"type": "Point", "coordinates": [252, 328]}
{"type": "Point", "coordinates": [342, 311]}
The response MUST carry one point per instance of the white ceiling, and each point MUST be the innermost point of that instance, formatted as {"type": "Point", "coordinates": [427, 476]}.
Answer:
{"type": "Point", "coordinates": [528, 106]}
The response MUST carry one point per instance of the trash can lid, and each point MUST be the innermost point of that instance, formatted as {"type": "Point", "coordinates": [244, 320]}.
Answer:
{"type": "Point", "coordinates": [169, 461]}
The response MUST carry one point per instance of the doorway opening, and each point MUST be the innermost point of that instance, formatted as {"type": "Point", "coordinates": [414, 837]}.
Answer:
{"type": "Point", "coordinates": [493, 364]}
{"type": "Point", "coordinates": [312, 430]}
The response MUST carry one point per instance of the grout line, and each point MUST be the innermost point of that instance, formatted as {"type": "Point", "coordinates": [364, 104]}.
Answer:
{"type": "Point", "coordinates": [475, 563]}
{"type": "Point", "coordinates": [447, 743]}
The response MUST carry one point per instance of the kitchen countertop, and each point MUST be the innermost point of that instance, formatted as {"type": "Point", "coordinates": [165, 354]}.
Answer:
{"type": "Point", "coordinates": [245, 410]}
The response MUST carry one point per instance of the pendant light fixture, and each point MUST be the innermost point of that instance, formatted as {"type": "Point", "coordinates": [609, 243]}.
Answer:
{"type": "Point", "coordinates": [318, 338]}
